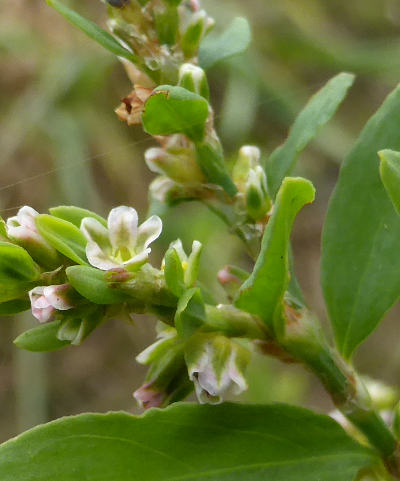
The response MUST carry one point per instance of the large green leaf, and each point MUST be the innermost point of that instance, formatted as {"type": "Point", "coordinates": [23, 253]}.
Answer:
{"type": "Point", "coordinates": [390, 175]}
{"type": "Point", "coordinates": [175, 110]}
{"type": "Point", "coordinates": [63, 236]}
{"type": "Point", "coordinates": [320, 108]}
{"type": "Point", "coordinates": [361, 239]}
{"type": "Point", "coordinates": [234, 41]}
{"type": "Point", "coordinates": [262, 293]}
{"type": "Point", "coordinates": [16, 265]}
{"type": "Point", "coordinates": [75, 214]}
{"type": "Point", "coordinates": [187, 442]}
{"type": "Point", "coordinates": [90, 283]}
{"type": "Point", "coordinates": [93, 31]}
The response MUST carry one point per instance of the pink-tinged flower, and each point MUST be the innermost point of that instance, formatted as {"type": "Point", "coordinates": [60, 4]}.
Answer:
{"type": "Point", "coordinates": [47, 300]}
{"type": "Point", "coordinates": [122, 242]}
{"type": "Point", "coordinates": [216, 365]}
{"type": "Point", "coordinates": [22, 229]}
{"type": "Point", "coordinates": [149, 396]}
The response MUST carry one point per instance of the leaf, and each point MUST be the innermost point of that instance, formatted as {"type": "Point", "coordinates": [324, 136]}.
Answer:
{"type": "Point", "coordinates": [74, 214]}
{"type": "Point", "coordinates": [10, 308]}
{"type": "Point", "coordinates": [16, 265]}
{"type": "Point", "coordinates": [174, 273]}
{"type": "Point", "coordinates": [360, 255]}
{"type": "Point", "coordinates": [93, 31]}
{"type": "Point", "coordinates": [390, 174]}
{"type": "Point", "coordinates": [173, 110]}
{"type": "Point", "coordinates": [42, 338]}
{"type": "Point", "coordinates": [190, 313]}
{"type": "Point", "coordinates": [90, 283]}
{"type": "Point", "coordinates": [262, 293]}
{"type": "Point", "coordinates": [228, 442]}
{"type": "Point", "coordinates": [318, 111]}
{"type": "Point", "coordinates": [211, 162]}
{"type": "Point", "coordinates": [63, 236]}
{"type": "Point", "coordinates": [234, 41]}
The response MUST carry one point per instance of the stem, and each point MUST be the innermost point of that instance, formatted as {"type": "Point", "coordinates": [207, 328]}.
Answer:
{"type": "Point", "coordinates": [346, 390]}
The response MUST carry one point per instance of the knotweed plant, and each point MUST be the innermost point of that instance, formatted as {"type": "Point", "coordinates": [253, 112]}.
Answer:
{"type": "Point", "coordinates": [75, 270]}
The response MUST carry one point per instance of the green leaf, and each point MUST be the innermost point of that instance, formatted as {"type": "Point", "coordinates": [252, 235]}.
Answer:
{"type": "Point", "coordinates": [93, 31]}
{"type": "Point", "coordinates": [14, 290]}
{"type": "Point", "coordinates": [42, 338]}
{"type": "Point", "coordinates": [74, 214]}
{"type": "Point", "coordinates": [228, 442]}
{"type": "Point", "coordinates": [262, 293]}
{"type": "Point", "coordinates": [212, 163]}
{"type": "Point", "coordinates": [318, 111]}
{"type": "Point", "coordinates": [234, 41]}
{"type": "Point", "coordinates": [360, 258]}
{"type": "Point", "coordinates": [390, 175]}
{"type": "Point", "coordinates": [90, 283]}
{"type": "Point", "coordinates": [190, 313]}
{"type": "Point", "coordinates": [174, 273]}
{"type": "Point", "coordinates": [175, 110]}
{"type": "Point", "coordinates": [16, 265]}
{"type": "Point", "coordinates": [63, 236]}
{"type": "Point", "coordinates": [15, 306]}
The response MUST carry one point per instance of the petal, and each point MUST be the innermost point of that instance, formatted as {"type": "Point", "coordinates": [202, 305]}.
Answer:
{"type": "Point", "coordinates": [44, 315]}
{"type": "Point", "coordinates": [58, 296]}
{"type": "Point", "coordinates": [98, 258]}
{"type": "Point", "coordinates": [149, 397]}
{"type": "Point", "coordinates": [23, 233]}
{"type": "Point", "coordinates": [148, 232]}
{"type": "Point", "coordinates": [177, 245]}
{"type": "Point", "coordinates": [138, 259]}
{"type": "Point", "coordinates": [122, 226]}
{"type": "Point", "coordinates": [95, 232]}
{"type": "Point", "coordinates": [35, 293]}
{"type": "Point", "coordinates": [26, 217]}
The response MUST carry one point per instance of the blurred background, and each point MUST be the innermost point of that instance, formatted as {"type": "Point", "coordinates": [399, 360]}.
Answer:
{"type": "Point", "coordinates": [61, 143]}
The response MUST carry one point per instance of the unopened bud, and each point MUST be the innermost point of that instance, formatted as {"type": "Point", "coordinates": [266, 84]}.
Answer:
{"type": "Point", "coordinates": [257, 198]}
{"type": "Point", "coordinates": [47, 300]}
{"type": "Point", "coordinates": [197, 27]}
{"type": "Point", "coordinates": [231, 278]}
{"type": "Point", "coordinates": [22, 229]}
{"type": "Point", "coordinates": [248, 159]}
{"type": "Point", "coordinates": [194, 78]}
{"type": "Point", "coordinates": [179, 164]}
{"type": "Point", "coordinates": [167, 380]}
{"type": "Point", "coordinates": [216, 365]}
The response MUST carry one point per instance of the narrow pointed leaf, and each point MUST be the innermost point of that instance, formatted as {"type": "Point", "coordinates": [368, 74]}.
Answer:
{"type": "Point", "coordinates": [63, 236]}
{"type": "Point", "coordinates": [93, 31]}
{"type": "Point", "coordinates": [390, 175]}
{"type": "Point", "coordinates": [318, 111]}
{"type": "Point", "coordinates": [90, 283]}
{"type": "Point", "coordinates": [175, 110]}
{"type": "Point", "coordinates": [42, 338]}
{"type": "Point", "coordinates": [360, 255]}
{"type": "Point", "coordinates": [75, 215]}
{"type": "Point", "coordinates": [234, 41]}
{"type": "Point", "coordinates": [262, 293]}
{"type": "Point", "coordinates": [10, 308]}
{"type": "Point", "coordinates": [187, 442]}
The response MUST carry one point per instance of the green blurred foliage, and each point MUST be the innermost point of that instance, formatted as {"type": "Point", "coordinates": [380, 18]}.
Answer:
{"type": "Point", "coordinates": [62, 143]}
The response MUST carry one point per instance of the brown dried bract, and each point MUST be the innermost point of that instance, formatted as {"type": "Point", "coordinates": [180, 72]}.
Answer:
{"type": "Point", "coordinates": [131, 106]}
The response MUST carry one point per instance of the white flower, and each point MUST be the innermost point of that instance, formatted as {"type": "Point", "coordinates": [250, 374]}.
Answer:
{"type": "Point", "coordinates": [22, 228]}
{"type": "Point", "coordinates": [47, 300]}
{"type": "Point", "coordinates": [216, 365]}
{"type": "Point", "coordinates": [123, 243]}
{"type": "Point", "coordinates": [190, 263]}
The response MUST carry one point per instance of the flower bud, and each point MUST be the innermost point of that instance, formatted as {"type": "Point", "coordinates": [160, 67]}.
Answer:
{"type": "Point", "coordinates": [190, 264]}
{"type": "Point", "coordinates": [167, 380]}
{"type": "Point", "coordinates": [179, 164]}
{"type": "Point", "coordinates": [231, 278]}
{"type": "Point", "coordinates": [249, 158]}
{"type": "Point", "coordinates": [193, 32]}
{"type": "Point", "coordinates": [22, 229]}
{"type": "Point", "coordinates": [194, 78]}
{"type": "Point", "coordinates": [216, 365]}
{"type": "Point", "coordinates": [257, 198]}
{"type": "Point", "coordinates": [47, 300]}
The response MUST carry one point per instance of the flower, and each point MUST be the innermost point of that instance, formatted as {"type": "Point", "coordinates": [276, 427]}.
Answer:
{"type": "Point", "coordinates": [190, 264]}
{"type": "Point", "coordinates": [122, 242]}
{"type": "Point", "coordinates": [216, 365]}
{"type": "Point", "coordinates": [47, 300]}
{"type": "Point", "coordinates": [22, 229]}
